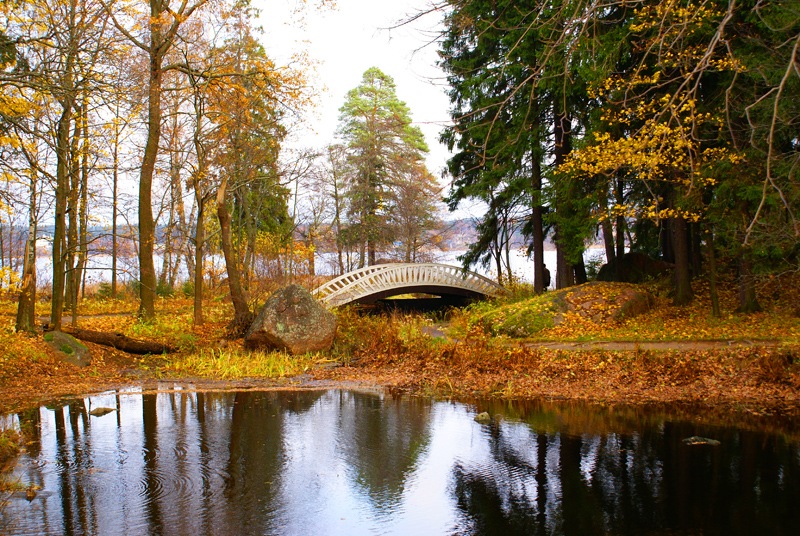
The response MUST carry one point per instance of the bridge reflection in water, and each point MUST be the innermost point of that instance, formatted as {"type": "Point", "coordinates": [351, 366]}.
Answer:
{"type": "Point", "coordinates": [374, 283]}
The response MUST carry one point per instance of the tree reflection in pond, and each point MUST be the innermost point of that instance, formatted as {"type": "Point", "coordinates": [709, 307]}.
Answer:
{"type": "Point", "coordinates": [342, 462]}
{"type": "Point", "coordinates": [548, 482]}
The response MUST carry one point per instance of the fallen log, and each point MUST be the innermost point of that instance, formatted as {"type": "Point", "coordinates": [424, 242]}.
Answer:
{"type": "Point", "coordinates": [119, 341]}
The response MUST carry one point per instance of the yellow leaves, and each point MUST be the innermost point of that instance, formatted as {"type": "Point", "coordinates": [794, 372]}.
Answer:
{"type": "Point", "coordinates": [9, 279]}
{"type": "Point", "coordinates": [13, 104]}
{"type": "Point", "coordinates": [674, 19]}
{"type": "Point", "coordinates": [664, 148]}
{"type": "Point", "coordinates": [653, 153]}
{"type": "Point", "coordinates": [655, 212]}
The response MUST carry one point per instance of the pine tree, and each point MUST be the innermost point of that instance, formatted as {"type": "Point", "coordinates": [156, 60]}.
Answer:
{"type": "Point", "coordinates": [383, 148]}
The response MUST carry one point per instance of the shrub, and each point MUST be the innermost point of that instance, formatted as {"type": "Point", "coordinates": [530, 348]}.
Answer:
{"type": "Point", "coordinates": [104, 290]}
{"type": "Point", "coordinates": [187, 288]}
{"type": "Point", "coordinates": [164, 290]}
{"type": "Point", "coordinates": [9, 445]}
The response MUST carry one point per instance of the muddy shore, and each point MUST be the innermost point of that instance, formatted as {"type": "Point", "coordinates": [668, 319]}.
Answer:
{"type": "Point", "coordinates": [745, 377]}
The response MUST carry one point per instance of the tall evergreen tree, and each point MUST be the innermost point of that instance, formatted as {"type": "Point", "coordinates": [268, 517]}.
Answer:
{"type": "Point", "coordinates": [513, 95]}
{"type": "Point", "coordinates": [384, 148]}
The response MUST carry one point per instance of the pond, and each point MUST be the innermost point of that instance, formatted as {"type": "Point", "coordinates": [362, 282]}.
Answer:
{"type": "Point", "coordinates": [350, 462]}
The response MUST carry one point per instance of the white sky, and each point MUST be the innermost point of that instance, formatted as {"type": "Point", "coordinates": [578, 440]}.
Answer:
{"type": "Point", "coordinates": [345, 42]}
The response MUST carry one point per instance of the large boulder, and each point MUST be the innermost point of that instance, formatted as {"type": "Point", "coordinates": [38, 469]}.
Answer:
{"type": "Point", "coordinates": [294, 321]}
{"type": "Point", "coordinates": [603, 302]}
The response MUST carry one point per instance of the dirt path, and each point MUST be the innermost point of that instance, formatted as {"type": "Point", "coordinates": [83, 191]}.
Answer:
{"type": "Point", "coordinates": [653, 346]}
{"type": "Point", "coordinates": [630, 346]}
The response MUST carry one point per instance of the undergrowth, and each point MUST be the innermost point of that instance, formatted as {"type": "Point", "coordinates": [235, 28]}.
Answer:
{"type": "Point", "coordinates": [9, 445]}
{"type": "Point", "coordinates": [383, 336]}
{"type": "Point", "coordinates": [522, 315]}
{"type": "Point", "coordinates": [233, 363]}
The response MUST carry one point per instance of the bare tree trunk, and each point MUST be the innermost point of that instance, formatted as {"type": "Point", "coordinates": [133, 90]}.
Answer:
{"type": "Point", "coordinates": [579, 269]}
{"type": "Point", "coordinates": [565, 276]}
{"type": "Point", "coordinates": [620, 223]}
{"type": "Point", "coordinates": [243, 317]}
{"type": "Point", "coordinates": [607, 229]}
{"type": "Point", "coordinates": [695, 249]}
{"type": "Point", "coordinates": [337, 223]}
{"type": "Point", "coordinates": [537, 224]}
{"type": "Point", "coordinates": [748, 302]}
{"type": "Point", "coordinates": [372, 261]}
{"type": "Point", "coordinates": [188, 254]}
{"type": "Point", "coordinates": [199, 243]}
{"type": "Point", "coordinates": [147, 225]}
{"type": "Point", "coordinates": [310, 248]}
{"type": "Point", "coordinates": [2, 245]}
{"type": "Point", "coordinates": [83, 231]}
{"type": "Point", "coordinates": [169, 238]}
{"type": "Point", "coordinates": [180, 246]}
{"type": "Point", "coordinates": [608, 240]}
{"type": "Point", "coordinates": [26, 309]}
{"type": "Point", "coordinates": [507, 233]}
{"type": "Point", "coordinates": [73, 282]}
{"type": "Point", "coordinates": [170, 249]}
{"type": "Point", "coordinates": [565, 273]}
{"type": "Point", "coordinates": [339, 257]}
{"type": "Point", "coordinates": [62, 192]}
{"type": "Point", "coordinates": [712, 273]}
{"type": "Point", "coordinates": [362, 254]}
{"type": "Point", "coordinates": [680, 241]}
{"type": "Point", "coordinates": [114, 208]}
{"type": "Point", "coordinates": [147, 269]}
{"type": "Point", "coordinates": [498, 259]}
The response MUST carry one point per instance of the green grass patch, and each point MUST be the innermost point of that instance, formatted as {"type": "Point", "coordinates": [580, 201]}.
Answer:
{"type": "Point", "coordinates": [524, 317]}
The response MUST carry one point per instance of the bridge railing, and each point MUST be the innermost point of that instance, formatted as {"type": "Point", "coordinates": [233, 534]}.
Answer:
{"type": "Point", "coordinates": [374, 279]}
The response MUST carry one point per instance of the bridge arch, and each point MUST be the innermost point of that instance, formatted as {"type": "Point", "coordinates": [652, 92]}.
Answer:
{"type": "Point", "coordinates": [373, 283]}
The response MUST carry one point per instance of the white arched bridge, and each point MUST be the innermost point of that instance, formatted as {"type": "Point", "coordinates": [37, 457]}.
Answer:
{"type": "Point", "coordinates": [373, 283]}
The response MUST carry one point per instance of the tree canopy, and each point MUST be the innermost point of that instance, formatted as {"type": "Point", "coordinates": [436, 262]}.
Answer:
{"type": "Point", "coordinates": [661, 125]}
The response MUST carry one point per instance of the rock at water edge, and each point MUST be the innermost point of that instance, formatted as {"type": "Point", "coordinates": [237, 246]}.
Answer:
{"type": "Point", "coordinates": [294, 321]}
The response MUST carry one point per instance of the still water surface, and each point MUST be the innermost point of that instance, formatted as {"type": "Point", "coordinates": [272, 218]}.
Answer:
{"type": "Point", "coordinates": [344, 462]}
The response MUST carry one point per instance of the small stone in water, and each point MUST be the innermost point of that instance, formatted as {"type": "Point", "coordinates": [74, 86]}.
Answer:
{"type": "Point", "coordinates": [483, 418]}
{"type": "Point", "coordinates": [99, 412]}
{"type": "Point", "coordinates": [697, 440]}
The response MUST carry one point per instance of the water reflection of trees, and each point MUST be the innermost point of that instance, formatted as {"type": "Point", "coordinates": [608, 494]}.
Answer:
{"type": "Point", "coordinates": [217, 463]}
{"type": "Point", "coordinates": [178, 463]}
{"type": "Point", "coordinates": [381, 439]}
{"type": "Point", "coordinates": [559, 483]}
{"type": "Point", "coordinates": [256, 455]}
{"type": "Point", "coordinates": [213, 463]}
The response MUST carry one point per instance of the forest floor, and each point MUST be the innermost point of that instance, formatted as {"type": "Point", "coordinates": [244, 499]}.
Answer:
{"type": "Point", "coordinates": [746, 364]}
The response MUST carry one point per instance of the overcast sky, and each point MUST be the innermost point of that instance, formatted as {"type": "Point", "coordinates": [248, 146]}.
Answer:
{"type": "Point", "coordinates": [345, 42]}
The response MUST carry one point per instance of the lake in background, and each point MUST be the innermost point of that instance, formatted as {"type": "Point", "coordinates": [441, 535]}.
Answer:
{"type": "Point", "coordinates": [99, 266]}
